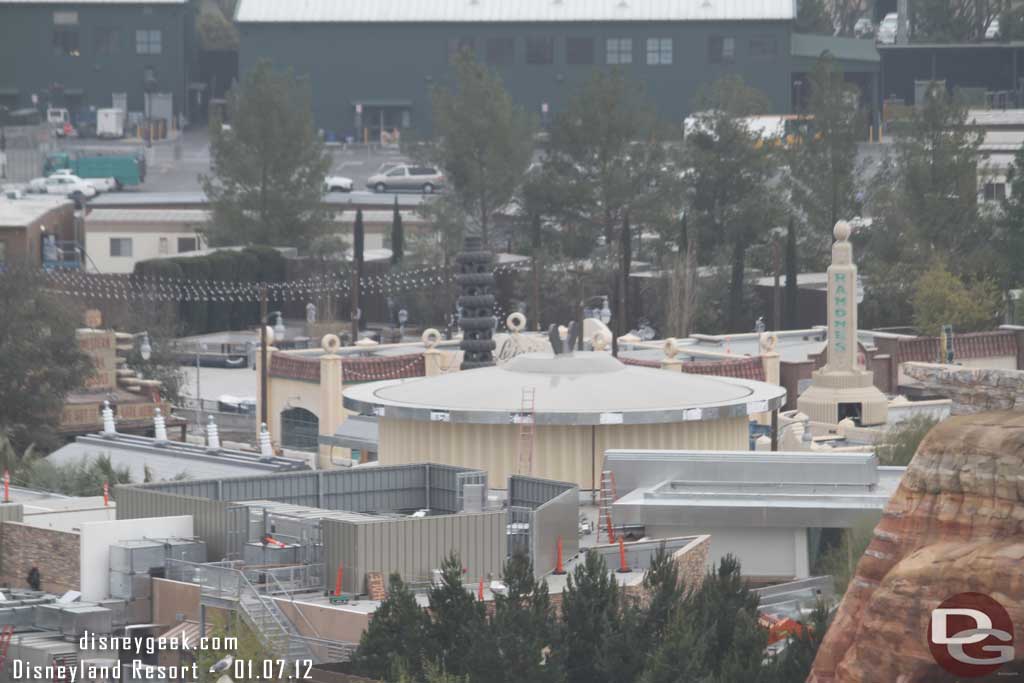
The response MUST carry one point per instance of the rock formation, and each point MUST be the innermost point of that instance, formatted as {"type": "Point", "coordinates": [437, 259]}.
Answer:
{"type": "Point", "coordinates": [954, 525]}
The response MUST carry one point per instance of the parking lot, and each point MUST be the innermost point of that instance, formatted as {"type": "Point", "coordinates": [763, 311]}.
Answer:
{"type": "Point", "coordinates": [174, 165]}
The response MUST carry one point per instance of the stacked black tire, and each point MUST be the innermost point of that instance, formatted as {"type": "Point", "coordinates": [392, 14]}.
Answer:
{"type": "Point", "coordinates": [475, 277]}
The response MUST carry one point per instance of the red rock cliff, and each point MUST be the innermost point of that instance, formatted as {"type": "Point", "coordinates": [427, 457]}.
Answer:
{"type": "Point", "coordinates": [955, 524]}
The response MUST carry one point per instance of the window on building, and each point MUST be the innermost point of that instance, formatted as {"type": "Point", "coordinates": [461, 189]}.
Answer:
{"type": "Point", "coordinates": [619, 50]}
{"type": "Point", "coordinates": [659, 51]}
{"type": "Point", "coordinates": [148, 42]}
{"type": "Point", "coordinates": [65, 42]}
{"type": "Point", "coordinates": [501, 51]}
{"type": "Point", "coordinates": [3, 253]}
{"type": "Point", "coordinates": [162, 246]}
{"type": "Point", "coordinates": [121, 246]}
{"type": "Point", "coordinates": [722, 49]}
{"type": "Point", "coordinates": [540, 50]}
{"type": "Point", "coordinates": [457, 46]}
{"type": "Point", "coordinates": [106, 40]}
{"type": "Point", "coordinates": [764, 47]}
{"type": "Point", "coordinates": [579, 50]}
{"type": "Point", "coordinates": [186, 244]}
{"type": "Point", "coordinates": [65, 18]}
{"type": "Point", "coordinates": [995, 192]}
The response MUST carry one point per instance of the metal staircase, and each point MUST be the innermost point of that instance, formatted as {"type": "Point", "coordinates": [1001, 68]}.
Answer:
{"type": "Point", "coordinates": [273, 626]}
{"type": "Point", "coordinates": [254, 593]}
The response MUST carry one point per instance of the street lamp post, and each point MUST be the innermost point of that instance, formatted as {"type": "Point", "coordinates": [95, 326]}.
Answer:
{"type": "Point", "coordinates": [200, 349]}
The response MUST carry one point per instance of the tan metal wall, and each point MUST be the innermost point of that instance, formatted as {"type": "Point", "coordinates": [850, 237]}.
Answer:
{"type": "Point", "coordinates": [211, 521]}
{"type": "Point", "coordinates": [414, 546]}
{"type": "Point", "coordinates": [11, 512]}
{"type": "Point", "coordinates": [564, 453]}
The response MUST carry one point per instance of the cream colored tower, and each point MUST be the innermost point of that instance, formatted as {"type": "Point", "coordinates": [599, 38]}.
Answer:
{"type": "Point", "coordinates": [843, 388]}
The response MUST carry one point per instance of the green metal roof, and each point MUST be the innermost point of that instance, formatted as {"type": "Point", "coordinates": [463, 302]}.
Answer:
{"type": "Point", "coordinates": [811, 46]}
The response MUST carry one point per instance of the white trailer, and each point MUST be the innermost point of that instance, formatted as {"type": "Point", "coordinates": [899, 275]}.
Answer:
{"type": "Point", "coordinates": [110, 123]}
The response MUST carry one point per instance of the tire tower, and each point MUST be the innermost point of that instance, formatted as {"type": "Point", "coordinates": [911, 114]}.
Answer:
{"type": "Point", "coordinates": [475, 277]}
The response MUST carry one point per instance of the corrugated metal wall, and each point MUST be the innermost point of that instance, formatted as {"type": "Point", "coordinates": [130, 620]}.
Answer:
{"type": "Point", "coordinates": [532, 492]}
{"type": "Point", "coordinates": [11, 512]}
{"type": "Point", "coordinates": [557, 518]}
{"type": "Point", "coordinates": [414, 546]}
{"type": "Point", "coordinates": [210, 517]}
{"type": "Point", "coordinates": [371, 489]}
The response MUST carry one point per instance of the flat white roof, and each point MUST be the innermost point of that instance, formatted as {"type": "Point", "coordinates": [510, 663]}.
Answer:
{"type": "Point", "coordinates": [16, 213]}
{"type": "Point", "coordinates": [493, 11]}
{"type": "Point", "coordinates": [148, 216]}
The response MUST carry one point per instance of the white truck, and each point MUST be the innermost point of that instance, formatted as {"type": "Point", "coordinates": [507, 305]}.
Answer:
{"type": "Point", "coordinates": [110, 123]}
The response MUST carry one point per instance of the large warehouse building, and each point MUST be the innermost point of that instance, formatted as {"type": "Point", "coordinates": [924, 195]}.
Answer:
{"type": "Point", "coordinates": [373, 65]}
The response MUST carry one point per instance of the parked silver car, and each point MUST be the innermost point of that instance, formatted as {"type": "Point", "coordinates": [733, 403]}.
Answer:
{"type": "Point", "coordinates": [426, 179]}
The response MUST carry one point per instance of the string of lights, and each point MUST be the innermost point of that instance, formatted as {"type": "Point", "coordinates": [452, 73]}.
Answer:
{"type": "Point", "coordinates": [171, 289]}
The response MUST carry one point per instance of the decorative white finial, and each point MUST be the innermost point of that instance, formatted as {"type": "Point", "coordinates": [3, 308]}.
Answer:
{"type": "Point", "coordinates": [430, 337]}
{"type": "Point", "coordinates": [212, 435]}
{"type": "Point", "coordinates": [330, 343]}
{"type": "Point", "coordinates": [842, 231]}
{"type": "Point", "coordinates": [266, 448]}
{"type": "Point", "coordinates": [516, 322]}
{"type": "Point", "coordinates": [601, 340]}
{"type": "Point", "coordinates": [366, 343]}
{"type": "Point", "coordinates": [670, 348]}
{"type": "Point", "coordinates": [109, 428]}
{"type": "Point", "coordinates": [159, 427]}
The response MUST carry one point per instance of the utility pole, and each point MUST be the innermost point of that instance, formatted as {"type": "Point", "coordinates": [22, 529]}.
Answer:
{"type": "Point", "coordinates": [776, 291]}
{"type": "Point", "coordinates": [263, 354]}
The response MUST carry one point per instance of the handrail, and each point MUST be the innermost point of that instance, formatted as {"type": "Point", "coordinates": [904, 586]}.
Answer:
{"type": "Point", "coordinates": [291, 598]}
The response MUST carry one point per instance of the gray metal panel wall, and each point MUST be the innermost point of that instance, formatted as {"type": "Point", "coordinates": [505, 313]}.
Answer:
{"type": "Point", "coordinates": [557, 518]}
{"type": "Point", "coordinates": [414, 546]}
{"type": "Point", "coordinates": [11, 512]}
{"type": "Point", "coordinates": [376, 489]}
{"type": "Point", "coordinates": [297, 488]}
{"type": "Point", "coordinates": [444, 486]}
{"type": "Point", "coordinates": [532, 492]}
{"type": "Point", "coordinates": [210, 517]}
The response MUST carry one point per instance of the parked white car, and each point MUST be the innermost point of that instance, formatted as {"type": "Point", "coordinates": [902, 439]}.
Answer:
{"type": "Point", "coordinates": [63, 184]}
{"type": "Point", "coordinates": [337, 183]}
{"type": "Point", "coordinates": [101, 184]}
{"type": "Point", "coordinates": [887, 29]}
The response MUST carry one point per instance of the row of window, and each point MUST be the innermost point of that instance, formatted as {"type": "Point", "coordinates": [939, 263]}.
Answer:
{"type": "Point", "coordinates": [581, 50]}
{"type": "Point", "coordinates": [106, 40]}
{"type": "Point", "coordinates": [122, 246]}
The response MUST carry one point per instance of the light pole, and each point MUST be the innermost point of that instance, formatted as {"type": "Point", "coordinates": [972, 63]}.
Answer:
{"type": "Point", "coordinates": [200, 349]}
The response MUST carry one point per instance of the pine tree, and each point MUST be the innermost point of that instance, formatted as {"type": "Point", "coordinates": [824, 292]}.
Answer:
{"type": "Point", "coordinates": [458, 629]}
{"type": "Point", "coordinates": [358, 244]}
{"type": "Point", "coordinates": [665, 591]}
{"type": "Point", "coordinates": [397, 638]}
{"type": "Point", "coordinates": [397, 236]}
{"type": "Point", "coordinates": [590, 606]}
{"type": "Point", "coordinates": [523, 625]}
{"type": "Point", "coordinates": [266, 185]}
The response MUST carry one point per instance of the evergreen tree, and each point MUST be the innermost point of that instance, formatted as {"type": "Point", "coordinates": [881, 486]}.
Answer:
{"type": "Point", "coordinates": [822, 162]}
{"type": "Point", "coordinates": [42, 361]}
{"type": "Point", "coordinates": [792, 293]}
{"type": "Point", "coordinates": [458, 630]}
{"type": "Point", "coordinates": [268, 168]}
{"type": "Point", "coordinates": [665, 594]}
{"type": "Point", "coordinates": [358, 248]}
{"type": "Point", "coordinates": [523, 625]}
{"type": "Point", "coordinates": [728, 186]}
{"type": "Point", "coordinates": [590, 606]}
{"type": "Point", "coordinates": [397, 236]}
{"type": "Point", "coordinates": [794, 664]}
{"type": "Point", "coordinates": [397, 638]}
{"type": "Point", "coordinates": [484, 141]}
{"type": "Point", "coordinates": [812, 17]}
{"type": "Point", "coordinates": [1010, 236]}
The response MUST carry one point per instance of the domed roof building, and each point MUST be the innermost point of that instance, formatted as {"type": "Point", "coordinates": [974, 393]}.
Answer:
{"type": "Point", "coordinates": [553, 415]}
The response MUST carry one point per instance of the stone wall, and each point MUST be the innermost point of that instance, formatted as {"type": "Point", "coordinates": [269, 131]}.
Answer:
{"type": "Point", "coordinates": [54, 552]}
{"type": "Point", "coordinates": [972, 390]}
